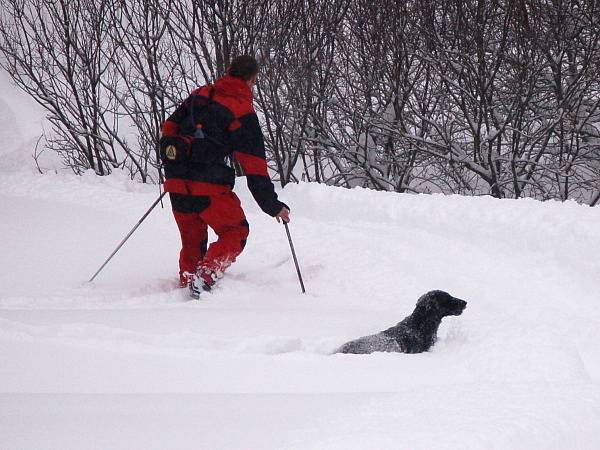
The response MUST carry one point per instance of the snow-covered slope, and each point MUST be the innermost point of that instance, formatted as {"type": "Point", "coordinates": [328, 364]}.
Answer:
{"type": "Point", "coordinates": [128, 362]}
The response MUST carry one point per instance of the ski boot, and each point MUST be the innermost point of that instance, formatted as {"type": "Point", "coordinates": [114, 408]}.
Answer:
{"type": "Point", "coordinates": [204, 280]}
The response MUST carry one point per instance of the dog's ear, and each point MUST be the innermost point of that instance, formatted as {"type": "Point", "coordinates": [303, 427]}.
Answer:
{"type": "Point", "coordinates": [428, 303]}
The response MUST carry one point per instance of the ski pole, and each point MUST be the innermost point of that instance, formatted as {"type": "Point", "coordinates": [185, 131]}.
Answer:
{"type": "Point", "coordinates": [128, 235]}
{"type": "Point", "coordinates": [287, 230]}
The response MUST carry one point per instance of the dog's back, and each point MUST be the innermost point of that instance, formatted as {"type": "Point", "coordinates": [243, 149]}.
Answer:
{"type": "Point", "coordinates": [379, 342]}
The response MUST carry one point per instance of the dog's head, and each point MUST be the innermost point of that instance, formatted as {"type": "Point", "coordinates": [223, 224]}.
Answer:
{"type": "Point", "coordinates": [442, 303]}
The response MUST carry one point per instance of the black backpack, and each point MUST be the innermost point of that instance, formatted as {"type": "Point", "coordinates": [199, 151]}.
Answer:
{"type": "Point", "coordinates": [199, 147]}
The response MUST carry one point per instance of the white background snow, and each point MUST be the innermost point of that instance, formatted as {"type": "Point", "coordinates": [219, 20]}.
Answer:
{"type": "Point", "coordinates": [128, 362]}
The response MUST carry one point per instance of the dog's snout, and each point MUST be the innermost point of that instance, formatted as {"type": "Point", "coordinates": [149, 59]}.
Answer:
{"type": "Point", "coordinates": [460, 305]}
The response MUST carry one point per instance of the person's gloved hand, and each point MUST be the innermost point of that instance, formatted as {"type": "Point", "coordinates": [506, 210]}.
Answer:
{"type": "Point", "coordinates": [284, 215]}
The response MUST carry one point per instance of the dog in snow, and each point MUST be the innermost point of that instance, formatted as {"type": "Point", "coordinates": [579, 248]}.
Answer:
{"type": "Point", "coordinates": [416, 333]}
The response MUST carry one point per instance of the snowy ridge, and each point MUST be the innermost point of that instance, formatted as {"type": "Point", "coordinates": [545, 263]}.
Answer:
{"type": "Point", "coordinates": [185, 343]}
{"type": "Point", "coordinates": [551, 228]}
{"type": "Point", "coordinates": [102, 193]}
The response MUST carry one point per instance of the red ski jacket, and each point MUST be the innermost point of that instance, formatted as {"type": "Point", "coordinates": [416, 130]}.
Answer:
{"type": "Point", "coordinates": [227, 118]}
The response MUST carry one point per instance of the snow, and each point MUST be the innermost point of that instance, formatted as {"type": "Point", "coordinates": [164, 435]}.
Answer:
{"type": "Point", "coordinates": [128, 362]}
{"type": "Point", "coordinates": [21, 127]}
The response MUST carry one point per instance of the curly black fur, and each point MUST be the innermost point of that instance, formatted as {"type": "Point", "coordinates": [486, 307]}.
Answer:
{"type": "Point", "coordinates": [416, 333]}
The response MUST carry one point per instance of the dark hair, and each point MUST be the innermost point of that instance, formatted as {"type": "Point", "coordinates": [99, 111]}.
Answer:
{"type": "Point", "coordinates": [244, 67]}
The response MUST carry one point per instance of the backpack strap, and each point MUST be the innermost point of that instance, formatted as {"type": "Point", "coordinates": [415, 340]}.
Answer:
{"type": "Point", "coordinates": [199, 133]}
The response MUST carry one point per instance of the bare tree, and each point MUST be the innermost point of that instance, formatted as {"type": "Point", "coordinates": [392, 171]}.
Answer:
{"type": "Point", "coordinates": [567, 36]}
{"type": "Point", "coordinates": [478, 97]}
{"type": "Point", "coordinates": [297, 55]}
{"type": "Point", "coordinates": [55, 51]}
{"type": "Point", "coordinates": [143, 74]}
{"type": "Point", "coordinates": [376, 70]}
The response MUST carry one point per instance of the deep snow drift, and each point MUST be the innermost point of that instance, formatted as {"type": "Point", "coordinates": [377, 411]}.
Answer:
{"type": "Point", "coordinates": [129, 362]}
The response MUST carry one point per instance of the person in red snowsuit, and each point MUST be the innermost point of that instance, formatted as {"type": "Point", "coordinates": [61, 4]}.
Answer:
{"type": "Point", "coordinates": [201, 189]}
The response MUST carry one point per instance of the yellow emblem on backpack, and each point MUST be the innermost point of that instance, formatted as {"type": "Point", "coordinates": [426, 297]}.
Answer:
{"type": "Point", "coordinates": [171, 152]}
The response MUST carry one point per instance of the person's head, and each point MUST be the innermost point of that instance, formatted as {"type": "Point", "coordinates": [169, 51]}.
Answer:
{"type": "Point", "coordinates": [244, 67]}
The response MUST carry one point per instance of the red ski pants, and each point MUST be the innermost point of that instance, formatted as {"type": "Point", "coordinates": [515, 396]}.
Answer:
{"type": "Point", "coordinates": [224, 215]}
